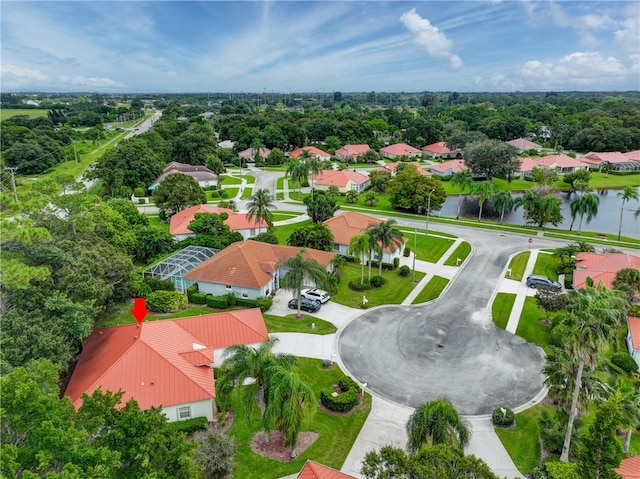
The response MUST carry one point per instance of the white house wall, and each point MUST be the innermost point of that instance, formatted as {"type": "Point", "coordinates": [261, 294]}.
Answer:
{"type": "Point", "coordinates": [198, 409]}
{"type": "Point", "coordinates": [635, 353]}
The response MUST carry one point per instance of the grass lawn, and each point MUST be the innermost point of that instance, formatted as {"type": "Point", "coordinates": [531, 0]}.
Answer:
{"type": "Point", "coordinates": [521, 442]}
{"type": "Point", "coordinates": [530, 327]}
{"type": "Point", "coordinates": [428, 248]}
{"type": "Point", "coordinates": [634, 449]}
{"type": "Point", "coordinates": [280, 196]}
{"type": "Point", "coordinates": [284, 215]}
{"type": "Point", "coordinates": [462, 251]}
{"type": "Point", "coordinates": [122, 315]}
{"type": "Point", "coordinates": [393, 292]}
{"type": "Point", "coordinates": [432, 290]}
{"type": "Point", "coordinates": [593, 237]}
{"type": "Point", "coordinates": [546, 265]}
{"type": "Point", "coordinates": [283, 232]}
{"type": "Point", "coordinates": [289, 324]}
{"type": "Point", "coordinates": [599, 181]}
{"type": "Point", "coordinates": [246, 193]}
{"type": "Point", "coordinates": [231, 193]}
{"type": "Point", "coordinates": [517, 265]}
{"type": "Point", "coordinates": [280, 183]}
{"type": "Point", "coordinates": [6, 113]}
{"type": "Point", "coordinates": [249, 179]}
{"type": "Point", "coordinates": [156, 222]}
{"type": "Point", "coordinates": [227, 180]}
{"type": "Point", "coordinates": [336, 433]}
{"type": "Point", "coordinates": [382, 204]}
{"type": "Point", "coordinates": [501, 309]}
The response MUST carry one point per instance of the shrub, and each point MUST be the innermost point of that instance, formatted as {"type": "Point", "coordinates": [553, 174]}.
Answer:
{"type": "Point", "coordinates": [166, 301]}
{"type": "Point", "coordinates": [347, 384]}
{"type": "Point", "coordinates": [215, 194]}
{"type": "Point", "coordinates": [224, 194]}
{"type": "Point", "coordinates": [404, 270]}
{"type": "Point", "coordinates": [503, 416]}
{"type": "Point", "coordinates": [159, 284]}
{"type": "Point", "coordinates": [378, 281]}
{"type": "Point", "coordinates": [138, 192]}
{"type": "Point", "coordinates": [198, 298]}
{"type": "Point", "coordinates": [189, 426]}
{"type": "Point", "coordinates": [624, 361]}
{"type": "Point", "coordinates": [358, 285]}
{"type": "Point", "coordinates": [407, 252]}
{"type": "Point", "coordinates": [396, 262]}
{"type": "Point", "coordinates": [264, 303]}
{"type": "Point", "coordinates": [142, 201]}
{"type": "Point", "coordinates": [342, 402]}
{"type": "Point", "coordinates": [219, 302]}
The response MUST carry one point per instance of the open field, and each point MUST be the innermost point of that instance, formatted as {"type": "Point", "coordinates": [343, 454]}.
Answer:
{"type": "Point", "coordinates": [6, 113]}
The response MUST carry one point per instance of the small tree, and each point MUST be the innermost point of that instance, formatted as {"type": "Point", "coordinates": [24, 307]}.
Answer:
{"type": "Point", "coordinates": [352, 196]}
{"type": "Point", "coordinates": [320, 207]}
{"type": "Point", "coordinates": [550, 299]}
{"type": "Point", "coordinates": [437, 422]}
{"type": "Point", "coordinates": [370, 198]}
{"type": "Point", "coordinates": [214, 453]}
{"type": "Point", "coordinates": [177, 192]}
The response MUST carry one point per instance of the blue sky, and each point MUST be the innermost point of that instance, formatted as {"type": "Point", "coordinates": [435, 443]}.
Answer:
{"type": "Point", "coordinates": [280, 46]}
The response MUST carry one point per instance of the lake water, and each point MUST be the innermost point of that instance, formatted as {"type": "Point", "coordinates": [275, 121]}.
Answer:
{"type": "Point", "coordinates": [607, 220]}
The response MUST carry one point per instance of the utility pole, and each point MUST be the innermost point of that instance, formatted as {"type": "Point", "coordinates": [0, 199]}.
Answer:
{"type": "Point", "coordinates": [12, 170]}
{"type": "Point", "coordinates": [413, 279]}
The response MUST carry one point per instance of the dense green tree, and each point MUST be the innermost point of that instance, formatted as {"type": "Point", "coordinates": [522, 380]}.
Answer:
{"type": "Point", "coordinates": [560, 366]}
{"type": "Point", "coordinates": [550, 299]}
{"type": "Point", "coordinates": [276, 158]}
{"type": "Point", "coordinates": [177, 192]}
{"type": "Point", "coordinates": [437, 422]}
{"type": "Point", "coordinates": [301, 270]}
{"type": "Point", "coordinates": [215, 164]}
{"type": "Point", "coordinates": [317, 236]}
{"type": "Point", "coordinates": [410, 190]}
{"type": "Point", "coordinates": [193, 146]}
{"type": "Point", "coordinates": [259, 207]}
{"type": "Point", "coordinates": [380, 180]}
{"type": "Point", "coordinates": [628, 278]}
{"type": "Point", "coordinates": [543, 175]}
{"type": "Point", "coordinates": [320, 207]}
{"type": "Point", "coordinates": [211, 231]}
{"type": "Point", "coordinates": [578, 175]}
{"type": "Point", "coordinates": [385, 236]}
{"type": "Point", "coordinates": [152, 242]}
{"type": "Point", "coordinates": [298, 172]}
{"type": "Point", "coordinates": [540, 207]}
{"type": "Point", "coordinates": [628, 194]}
{"type": "Point", "coordinates": [460, 139]}
{"type": "Point", "coordinates": [492, 158]}
{"type": "Point", "coordinates": [266, 237]}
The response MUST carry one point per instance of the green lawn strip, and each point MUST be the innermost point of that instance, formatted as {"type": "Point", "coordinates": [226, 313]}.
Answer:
{"type": "Point", "coordinates": [336, 433]}
{"type": "Point", "coordinates": [122, 315]}
{"type": "Point", "coordinates": [275, 168]}
{"type": "Point", "coordinates": [156, 222]}
{"type": "Point", "coordinates": [501, 309]}
{"type": "Point", "coordinates": [284, 215]}
{"type": "Point", "coordinates": [432, 290]}
{"type": "Point", "coordinates": [283, 232]}
{"type": "Point", "coordinates": [530, 327]}
{"type": "Point", "coordinates": [393, 292]}
{"type": "Point", "coordinates": [522, 442]}
{"type": "Point", "coordinates": [290, 324]}
{"type": "Point", "coordinates": [280, 183]}
{"type": "Point", "coordinates": [594, 238]}
{"type": "Point", "coordinates": [225, 180]}
{"type": "Point", "coordinates": [429, 248]}
{"type": "Point", "coordinates": [6, 113]}
{"type": "Point", "coordinates": [231, 193]}
{"type": "Point", "coordinates": [280, 196]}
{"type": "Point", "coordinates": [462, 251]}
{"type": "Point", "coordinates": [249, 179]}
{"type": "Point", "coordinates": [246, 193]}
{"type": "Point", "coordinates": [517, 265]}
{"type": "Point", "coordinates": [383, 205]}
{"type": "Point", "coordinates": [546, 265]}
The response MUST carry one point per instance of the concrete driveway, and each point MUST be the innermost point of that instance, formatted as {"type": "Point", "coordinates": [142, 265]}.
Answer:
{"type": "Point", "coordinates": [335, 313]}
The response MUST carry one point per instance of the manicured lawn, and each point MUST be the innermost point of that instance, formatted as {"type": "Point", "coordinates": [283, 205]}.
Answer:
{"type": "Point", "coordinates": [289, 324]}
{"type": "Point", "coordinates": [382, 204]}
{"type": "Point", "coordinates": [634, 449]}
{"type": "Point", "coordinates": [156, 222]}
{"type": "Point", "coordinates": [246, 193]}
{"type": "Point", "coordinates": [546, 265]}
{"type": "Point", "coordinates": [610, 240]}
{"type": "Point", "coordinates": [6, 113]}
{"type": "Point", "coordinates": [530, 327]}
{"type": "Point", "coordinates": [284, 215]}
{"type": "Point", "coordinates": [249, 179]}
{"type": "Point", "coordinates": [280, 183]}
{"type": "Point", "coordinates": [429, 248]}
{"type": "Point", "coordinates": [521, 442]}
{"type": "Point", "coordinates": [280, 196]}
{"type": "Point", "coordinates": [283, 232]}
{"type": "Point", "coordinates": [601, 181]}
{"type": "Point", "coordinates": [229, 180]}
{"type": "Point", "coordinates": [336, 433]}
{"type": "Point", "coordinates": [517, 265]}
{"type": "Point", "coordinates": [501, 309]}
{"type": "Point", "coordinates": [462, 251]}
{"type": "Point", "coordinates": [432, 290]}
{"type": "Point", "coordinates": [231, 193]}
{"type": "Point", "coordinates": [393, 292]}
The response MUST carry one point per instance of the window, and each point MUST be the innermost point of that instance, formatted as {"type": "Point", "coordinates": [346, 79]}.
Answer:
{"type": "Point", "coordinates": [336, 247]}
{"type": "Point", "coordinates": [245, 293]}
{"type": "Point", "coordinates": [184, 412]}
{"type": "Point", "coordinates": [228, 286]}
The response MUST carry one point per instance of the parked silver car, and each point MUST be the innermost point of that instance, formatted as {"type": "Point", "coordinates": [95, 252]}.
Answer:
{"type": "Point", "coordinates": [315, 294]}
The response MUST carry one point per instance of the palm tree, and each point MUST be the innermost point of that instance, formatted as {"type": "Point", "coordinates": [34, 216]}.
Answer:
{"type": "Point", "coordinates": [291, 402]}
{"type": "Point", "coordinates": [260, 205]}
{"type": "Point", "coordinates": [301, 269]}
{"type": "Point", "coordinates": [629, 407]}
{"type": "Point", "coordinates": [437, 422]}
{"type": "Point", "coordinates": [298, 172]}
{"type": "Point", "coordinates": [629, 193]}
{"type": "Point", "coordinates": [385, 236]}
{"type": "Point", "coordinates": [589, 206]}
{"type": "Point", "coordinates": [483, 191]}
{"type": "Point", "coordinates": [359, 247]}
{"type": "Point", "coordinates": [259, 363]}
{"type": "Point", "coordinates": [529, 201]}
{"type": "Point", "coordinates": [313, 164]}
{"type": "Point", "coordinates": [464, 180]}
{"type": "Point", "coordinates": [591, 319]}
{"type": "Point", "coordinates": [503, 201]}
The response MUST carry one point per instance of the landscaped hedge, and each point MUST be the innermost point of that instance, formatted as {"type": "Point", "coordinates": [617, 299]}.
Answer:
{"type": "Point", "coordinates": [189, 426]}
{"type": "Point", "coordinates": [378, 281]}
{"type": "Point", "coordinates": [219, 302]}
{"type": "Point", "coordinates": [625, 362]}
{"type": "Point", "coordinates": [223, 302]}
{"type": "Point", "coordinates": [503, 417]}
{"type": "Point", "coordinates": [166, 301]}
{"type": "Point", "coordinates": [344, 401]}
{"type": "Point", "coordinates": [357, 285]}
{"type": "Point", "coordinates": [404, 270]}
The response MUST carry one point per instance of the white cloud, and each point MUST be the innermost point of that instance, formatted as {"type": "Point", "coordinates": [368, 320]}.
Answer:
{"type": "Point", "coordinates": [455, 63]}
{"type": "Point", "coordinates": [21, 73]}
{"type": "Point", "coordinates": [628, 34]}
{"type": "Point", "coordinates": [94, 82]}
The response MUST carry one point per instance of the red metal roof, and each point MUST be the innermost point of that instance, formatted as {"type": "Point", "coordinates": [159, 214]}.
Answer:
{"type": "Point", "coordinates": [634, 330]}
{"type": "Point", "coordinates": [179, 223]}
{"type": "Point", "coordinates": [629, 468]}
{"type": "Point", "coordinates": [161, 363]}
{"type": "Point", "coordinates": [313, 470]}
{"type": "Point", "coordinates": [353, 150]}
{"type": "Point", "coordinates": [524, 144]}
{"type": "Point", "coordinates": [563, 161]}
{"type": "Point", "coordinates": [454, 165]}
{"type": "Point", "coordinates": [400, 149]}
{"type": "Point", "coordinates": [391, 167]}
{"type": "Point", "coordinates": [601, 267]}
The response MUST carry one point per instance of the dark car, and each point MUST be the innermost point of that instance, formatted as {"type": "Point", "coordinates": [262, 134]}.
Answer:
{"type": "Point", "coordinates": [308, 305]}
{"type": "Point", "coordinates": [535, 281]}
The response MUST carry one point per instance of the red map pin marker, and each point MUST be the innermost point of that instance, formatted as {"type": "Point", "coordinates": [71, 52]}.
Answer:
{"type": "Point", "coordinates": [139, 310]}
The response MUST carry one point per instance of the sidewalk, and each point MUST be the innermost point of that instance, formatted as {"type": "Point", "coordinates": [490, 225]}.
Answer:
{"type": "Point", "coordinates": [522, 292]}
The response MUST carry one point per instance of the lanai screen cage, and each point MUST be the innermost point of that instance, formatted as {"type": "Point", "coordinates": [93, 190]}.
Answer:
{"type": "Point", "coordinates": [180, 263]}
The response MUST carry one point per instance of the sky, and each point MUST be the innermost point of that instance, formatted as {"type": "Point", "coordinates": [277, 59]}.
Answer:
{"type": "Point", "coordinates": [325, 46]}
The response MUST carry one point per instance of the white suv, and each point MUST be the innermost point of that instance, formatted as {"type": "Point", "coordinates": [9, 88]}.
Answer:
{"type": "Point", "coordinates": [315, 294]}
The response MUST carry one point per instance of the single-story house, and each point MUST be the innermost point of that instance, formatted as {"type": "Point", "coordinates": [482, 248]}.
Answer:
{"type": "Point", "coordinates": [614, 160]}
{"type": "Point", "coordinates": [313, 470]}
{"type": "Point", "coordinates": [633, 340]}
{"type": "Point", "coordinates": [561, 163]}
{"type": "Point", "coordinates": [629, 468]}
{"type": "Point", "coordinates": [351, 223]}
{"type": "Point", "coordinates": [439, 149]}
{"type": "Point", "coordinates": [179, 223]}
{"type": "Point", "coordinates": [601, 267]}
{"type": "Point", "coordinates": [522, 144]}
{"type": "Point", "coordinates": [313, 151]}
{"type": "Point", "coordinates": [448, 168]}
{"type": "Point", "coordinates": [526, 167]}
{"type": "Point", "coordinates": [345, 180]}
{"type": "Point", "coordinates": [249, 153]}
{"type": "Point", "coordinates": [399, 149]}
{"type": "Point", "coordinates": [350, 153]}
{"type": "Point", "coordinates": [249, 269]}
{"type": "Point", "coordinates": [166, 363]}
{"type": "Point", "coordinates": [203, 175]}
{"type": "Point", "coordinates": [227, 144]}
{"type": "Point", "coordinates": [393, 167]}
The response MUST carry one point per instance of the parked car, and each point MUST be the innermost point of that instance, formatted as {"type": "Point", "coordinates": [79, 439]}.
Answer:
{"type": "Point", "coordinates": [316, 294]}
{"type": "Point", "coordinates": [308, 305]}
{"type": "Point", "coordinates": [536, 280]}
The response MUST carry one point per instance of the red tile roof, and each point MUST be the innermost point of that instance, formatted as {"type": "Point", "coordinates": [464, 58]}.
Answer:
{"type": "Point", "coordinates": [339, 178]}
{"type": "Point", "coordinates": [161, 363]}
{"type": "Point", "coordinates": [350, 224]}
{"type": "Point", "coordinates": [250, 152]}
{"type": "Point", "coordinates": [317, 152]}
{"type": "Point", "coordinates": [527, 164]}
{"type": "Point", "coordinates": [629, 468]}
{"type": "Point", "coordinates": [393, 166]}
{"type": "Point", "coordinates": [601, 267]}
{"type": "Point", "coordinates": [249, 263]}
{"type": "Point", "coordinates": [179, 223]}
{"type": "Point", "coordinates": [400, 149]}
{"type": "Point", "coordinates": [634, 330]}
{"type": "Point", "coordinates": [595, 158]}
{"type": "Point", "coordinates": [454, 165]}
{"type": "Point", "coordinates": [524, 144]}
{"type": "Point", "coordinates": [353, 150]}
{"type": "Point", "coordinates": [439, 147]}
{"type": "Point", "coordinates": [313, 470]}
{"type": "Point", "coordinates": [562, 161]}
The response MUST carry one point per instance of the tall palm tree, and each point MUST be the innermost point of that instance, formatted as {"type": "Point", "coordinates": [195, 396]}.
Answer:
{"type": "Point", "coordinates": [503, 201]}
{"type": "Point", "coordinates": [529, 200]}
{"type": "Point", "coordinates": [483, 191]}
{"type": "Point", "coordinates": [298, 172]}
{"type": "Point", "coordinates": [437, 422]}
{"type": "Point", "coordinates": [291, 403]}
{"type": "Point", "coordinates": [260, 205]}
{"type": "Point", "coordinates": [313, 164]}
{"type": "Point", "coordinates": [259, 363]}
{"type": "Point", "coordinates": [359, 247]}
{"type": "Point", "coordinates": [385, 236]}
{"type": "Point", "coordinates": [463, 179]}
{"type": "Point", "coordinates": [591, 319]}
{"type": "Point", "coordinates": [629, 406]}
{"type": "Point", "coordinates": [589, 206]}
{"type": "Point", "coordinates": [629, 193]}
{"type": "Point", "coordinates": [301, 269]}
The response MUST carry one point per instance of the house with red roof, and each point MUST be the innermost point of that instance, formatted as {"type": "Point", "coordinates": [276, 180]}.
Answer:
{"type": "Point", "coordinates": [249, 269]}
{"type": "Point", "coordinates": [165, 364]}
{"type": "Point", "coordinates": [399, 149]}
{"type": "Point", "coordinates": [313, 470]}
{"type": "Point", "coordinates": [203, 175]}
{"type": "Point", "coordinates": [526, 167]}
{"type": "Point", "coordinates": [613, 160]}
{"type": "Point", "coordinates": [633, 339]}
{"type": "Point", "coordinates": [601, 267]}
{"type": "Point", "coordinates": [629, 468]}
{"type": "Point", "coordinates": [561, 163]}
{"type": "Point", "coordinates": [350, 153]}
{"type": "Point", "coordinates": [439, 149]}
{"type": "Point", "coordinates": [179, 223]}
{"type": "Point", "coordinates": [313, 151]}
{"type": "Point", "coordinates": [393, 167]}
{"type": "Point", "coordinates": [448, 168]}
{"type": "Point", "coordinates": [522, 144]}
{"type": "Point", "coordinates": [344, 180]}
{"type": "Point", "coordinates": [249, 153]}
{"type": "Point", "coordinates": [351, 223]}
